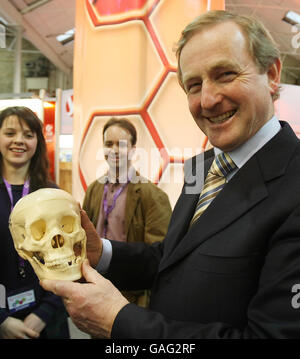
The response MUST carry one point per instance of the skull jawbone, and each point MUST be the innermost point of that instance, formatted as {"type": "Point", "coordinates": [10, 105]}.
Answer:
{"type": "Point", "coordinates": [72, 272]}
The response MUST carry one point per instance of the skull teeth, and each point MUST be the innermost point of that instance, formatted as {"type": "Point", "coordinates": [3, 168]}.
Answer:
{"type": "Point", "coordinates": [61, 264]}
{"type": "Point", "coordinates": [57, 264]}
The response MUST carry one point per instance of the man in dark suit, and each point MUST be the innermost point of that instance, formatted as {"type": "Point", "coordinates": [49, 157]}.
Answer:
{"type": "Point", "coordinates": [229, 266]}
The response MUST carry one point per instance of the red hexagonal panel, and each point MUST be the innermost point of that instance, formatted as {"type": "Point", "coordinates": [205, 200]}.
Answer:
{"type": "Point", "coordinates": [113, 7]}
{"type": "Point", "coordinates": [116, 12]}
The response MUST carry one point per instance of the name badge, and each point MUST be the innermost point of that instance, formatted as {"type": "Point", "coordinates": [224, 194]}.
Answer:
{"type": "Point", "coordinates": [21, 301]}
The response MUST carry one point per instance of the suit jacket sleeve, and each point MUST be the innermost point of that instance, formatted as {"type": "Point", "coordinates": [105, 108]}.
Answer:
{"type": "Point", "coordinates": [134, 265]}
{"type": "Point", "coordinates": [272, 313]}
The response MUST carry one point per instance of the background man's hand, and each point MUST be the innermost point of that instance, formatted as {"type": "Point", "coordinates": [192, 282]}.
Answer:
{"type": "Point", "coordinates": [93, 306]}
{"type": "Point", "coordinates": [94, 242]}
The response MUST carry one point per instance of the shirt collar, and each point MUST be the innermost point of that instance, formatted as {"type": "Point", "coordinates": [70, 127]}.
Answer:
{"type": "Point", "coordinates": [123, 179]}
{"type": "Point", "coordinates": [243, 153]}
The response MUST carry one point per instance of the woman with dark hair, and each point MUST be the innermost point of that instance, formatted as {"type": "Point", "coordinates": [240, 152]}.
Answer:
{"type": "Point", "coordinates": [30, 311]}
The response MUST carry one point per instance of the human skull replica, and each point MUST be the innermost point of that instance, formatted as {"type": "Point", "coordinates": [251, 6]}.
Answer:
{"type": "Point", "coordinates": [46, 230]}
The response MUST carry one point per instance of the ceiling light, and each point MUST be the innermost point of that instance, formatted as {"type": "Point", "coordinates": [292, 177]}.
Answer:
{"type": "Point", "coordinates": [292, 18]}
{"type": "Point", "coordinates": [66, 37]}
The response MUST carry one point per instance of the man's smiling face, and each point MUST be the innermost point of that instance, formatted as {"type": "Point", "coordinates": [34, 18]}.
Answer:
{"type": "Point", "coordinates": [228, 97]}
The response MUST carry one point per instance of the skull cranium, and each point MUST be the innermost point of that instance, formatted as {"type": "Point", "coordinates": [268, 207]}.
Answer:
{"type": "Point", "coordinates": [46, 230]}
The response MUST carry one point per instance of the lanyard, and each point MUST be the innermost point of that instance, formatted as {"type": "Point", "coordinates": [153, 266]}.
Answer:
{"type": "Point", "coordinates": [108, 209]}
{"type": "Point", "coordinates": [25, 191]}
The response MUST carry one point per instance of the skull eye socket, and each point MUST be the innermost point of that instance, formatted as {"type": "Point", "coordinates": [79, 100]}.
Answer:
{"type": "Point", "coordinates": [68, 224]}
{"type": "Point", "coordinates": [38, 229]}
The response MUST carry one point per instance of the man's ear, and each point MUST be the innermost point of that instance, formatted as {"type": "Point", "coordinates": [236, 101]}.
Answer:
{"type": "Point", "coordinates": [274, 75]}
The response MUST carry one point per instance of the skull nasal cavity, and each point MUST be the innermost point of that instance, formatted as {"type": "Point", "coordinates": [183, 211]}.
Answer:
{"type": "Point", "coordinates": [57, 241]}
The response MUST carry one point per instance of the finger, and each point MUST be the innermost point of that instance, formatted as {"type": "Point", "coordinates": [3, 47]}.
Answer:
{"type": "Point", "coordinates": [31, 333]}
{"type": "Point", "coordinates": [84, 216]}
{"type": "Point", "coordinates": [86, 223]}
{"type": "Point", "coordinates": [24, 332]}
{"type": "Point", "coordinates": [62, 288]}
{"type": "Point", "coordinates": [90, 274]}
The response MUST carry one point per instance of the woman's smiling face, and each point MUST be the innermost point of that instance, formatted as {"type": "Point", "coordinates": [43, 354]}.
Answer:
{"type": "Point", "coordinates": [17, 142]}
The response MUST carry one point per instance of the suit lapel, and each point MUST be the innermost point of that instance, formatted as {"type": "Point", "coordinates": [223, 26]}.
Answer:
{"type": "Point", "coordinates": [245, 190]}
{"type": "Point", "coordinates": [187, 201]}
{"type": "Point", "coordinates": [179, 223]}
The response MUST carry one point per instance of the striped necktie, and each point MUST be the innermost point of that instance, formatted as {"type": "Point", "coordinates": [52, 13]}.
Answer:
{"type": "Point", "coordinates": [214, 182]}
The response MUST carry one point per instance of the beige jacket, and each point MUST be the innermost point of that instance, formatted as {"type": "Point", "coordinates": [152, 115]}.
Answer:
{"type": "Point", "coordinates": [147, 214]}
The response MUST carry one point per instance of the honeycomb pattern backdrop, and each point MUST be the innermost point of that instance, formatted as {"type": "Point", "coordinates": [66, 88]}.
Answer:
{"type": "Point", "coordinates": [125, 66]}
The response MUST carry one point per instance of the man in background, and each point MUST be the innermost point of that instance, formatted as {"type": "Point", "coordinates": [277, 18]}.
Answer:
{"type": "Point", "coordinates": [123, 205]}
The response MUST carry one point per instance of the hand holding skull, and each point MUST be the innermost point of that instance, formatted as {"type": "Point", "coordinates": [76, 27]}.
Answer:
{"type": "Point", "coordinates": [94, 242]}
{"type": "Point", "coordinates": [93, 306]}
